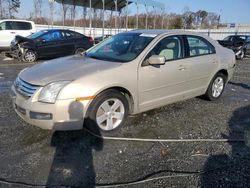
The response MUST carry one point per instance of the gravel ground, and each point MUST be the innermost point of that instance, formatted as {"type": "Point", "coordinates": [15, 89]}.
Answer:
{"type": "Point", "coordinates": [31, 157]}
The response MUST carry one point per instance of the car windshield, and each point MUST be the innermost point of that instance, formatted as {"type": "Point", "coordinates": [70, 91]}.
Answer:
{"type": "Point", "coordinates": [123, 47]}
{"type": "Point", "coordinates": [38, 34]}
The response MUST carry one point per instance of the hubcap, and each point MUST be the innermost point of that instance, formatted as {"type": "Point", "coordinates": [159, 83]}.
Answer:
{"type": "Point", "coordinates": [110, 114]}
{"type": "Point", "coordinates": [242, 54]}
{"type": "Point", "coordinates": [217, 87]}
{"type": "Point", "coordinates": [30, 56]}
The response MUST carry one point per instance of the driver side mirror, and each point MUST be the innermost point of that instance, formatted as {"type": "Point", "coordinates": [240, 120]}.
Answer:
{"type": "Point", "coordinates": [156, 60]}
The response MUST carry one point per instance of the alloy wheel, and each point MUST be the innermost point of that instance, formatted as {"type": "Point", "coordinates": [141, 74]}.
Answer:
{"type": "Point", "coordinates": [217, 87]}
{"type": "Point", "coordinates": [110, 114]}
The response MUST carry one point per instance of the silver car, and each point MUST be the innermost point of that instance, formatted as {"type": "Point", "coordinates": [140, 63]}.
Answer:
{"type": "Point", "coordinates": [129, 73]}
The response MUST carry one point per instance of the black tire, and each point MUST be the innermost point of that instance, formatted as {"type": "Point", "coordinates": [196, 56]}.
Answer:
{"type": "Point", "coordinates": [242, 55]}
{"type": "Point", "coordinates": [30, 56]}
{"type": "Point", "coordinates": [79, 50]}
{"type": "Point", "coordinates": [209, 93]}
{"type": "Point", "coordinates": [91, 116]}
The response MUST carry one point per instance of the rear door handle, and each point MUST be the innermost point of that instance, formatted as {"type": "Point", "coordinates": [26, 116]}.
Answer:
{"type": "Point", "coordinates": [214, 61]}
{"type": "Point", "coordinates": [13, 32]}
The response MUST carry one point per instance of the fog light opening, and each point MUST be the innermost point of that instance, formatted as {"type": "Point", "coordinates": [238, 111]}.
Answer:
{"type": "Point", "coordinates": [41, 116]}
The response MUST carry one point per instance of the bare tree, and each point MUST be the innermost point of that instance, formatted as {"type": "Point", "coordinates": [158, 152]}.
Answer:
{"type": "Point", "coordinates": [38, 8]}
{"type": "Point", "coordinates": [13, 6]}
{"type": "Point", "coordinates": [72, 10]}
{"type": "Point", "coordinates": [65, 8]}
{"type": "Point", "coordinates": [1, 9]}
{"type": "Point", "coordinates": [40, 3]}
{"type": "Point", "coordinates": [51, 10]}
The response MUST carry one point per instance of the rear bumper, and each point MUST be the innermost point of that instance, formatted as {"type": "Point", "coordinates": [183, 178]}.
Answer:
{"type": "Point", "coordinates": [63, 115]}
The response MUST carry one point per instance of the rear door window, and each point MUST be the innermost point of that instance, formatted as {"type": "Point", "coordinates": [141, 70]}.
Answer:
{"type": "Point", "coordinates": [199, 46]}
{"type": "Point", "coordinates": [21, 26]}
{"type": "Point", "coordinates": [68, 35]}
{"type": "Point", "coordinates": [14, 25]}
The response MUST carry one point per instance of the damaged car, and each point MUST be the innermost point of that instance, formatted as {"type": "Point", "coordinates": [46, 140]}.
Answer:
{"type": "Point", "coordinates": [240, 44]}
{"type": "Point", "coordinates": [49, 44]}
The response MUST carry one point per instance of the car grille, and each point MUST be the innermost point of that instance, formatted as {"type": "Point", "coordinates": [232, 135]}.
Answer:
{"type": "Point", "coordinates": [24, 88]}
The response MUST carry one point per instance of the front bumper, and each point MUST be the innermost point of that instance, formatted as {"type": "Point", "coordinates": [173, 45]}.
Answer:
{"type": "Point", "coordinates": [65, 114]}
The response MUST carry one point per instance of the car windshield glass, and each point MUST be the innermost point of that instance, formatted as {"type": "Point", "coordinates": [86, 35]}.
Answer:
{"type": "Point", "coordinates": [38, 34]}
{"type": "Point", "coordinates": [123, 47]}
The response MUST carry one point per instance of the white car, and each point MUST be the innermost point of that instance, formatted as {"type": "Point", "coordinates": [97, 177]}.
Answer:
{"type": "Point", "coordinates": [11, 27]}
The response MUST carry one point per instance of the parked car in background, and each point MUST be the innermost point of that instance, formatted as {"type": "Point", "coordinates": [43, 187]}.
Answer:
{"type": "Point", "coordinates": [49, 43]}
{"type": "Point", "coordinates": [101, 38]}
{"type": "Point", "coordinates": [129, 73]}
{"type": "Point", "coordinates": [240, 44]}
{"type": "Point", "coordinates": [11, 27]}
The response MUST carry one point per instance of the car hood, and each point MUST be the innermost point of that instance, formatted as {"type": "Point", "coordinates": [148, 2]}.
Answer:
{"type": "Point", "coordinates": [67, 68]}
{"type": "Point", "coordinates": [20, 39]}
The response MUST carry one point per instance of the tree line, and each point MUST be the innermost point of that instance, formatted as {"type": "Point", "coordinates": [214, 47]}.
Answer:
{"type": "Point", "coordinates": [49, 13]}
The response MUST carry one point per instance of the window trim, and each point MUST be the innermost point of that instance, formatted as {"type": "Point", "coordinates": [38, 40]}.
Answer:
{"type": "Point", "coordinates": [187, 47]}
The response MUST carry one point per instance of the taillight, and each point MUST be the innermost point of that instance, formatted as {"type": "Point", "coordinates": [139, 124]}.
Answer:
{"type": "Point", "coordinates": [91, 40]}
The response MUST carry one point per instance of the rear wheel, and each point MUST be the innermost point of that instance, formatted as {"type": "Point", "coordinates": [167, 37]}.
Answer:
{"type": "Point", "coordinates": [216, 87]}
{"type": "Point", "coordinates": [241, 55]}
{"type": "Point", "coordinates": [107, 112]}
{"type": "Point", "coordinates": [30, 56]}
{"type": "Point", "coordinates": [79, 50]}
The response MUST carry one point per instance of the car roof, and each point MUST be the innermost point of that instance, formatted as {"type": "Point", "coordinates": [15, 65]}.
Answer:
{"type": "Point", "coordinates": [16, 20]}
{"type": "Point", "coordinates": [239, 35]}
{"type": "Point", "coordinates": [49, 30]}
{"type": "Point", "coordinates": [164, 31]}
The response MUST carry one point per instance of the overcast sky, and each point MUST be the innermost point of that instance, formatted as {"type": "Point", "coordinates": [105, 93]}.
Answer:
{"type": "Point", "coordinates": [231, 11]}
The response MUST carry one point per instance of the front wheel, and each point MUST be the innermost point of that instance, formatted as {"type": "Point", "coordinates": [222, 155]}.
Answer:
{"type": "Point", "coordinates": [30, 56]}
{"type": "Point", "coordinates": [216, 87]}
{"type": "Point", "coordinates": [107, 112]}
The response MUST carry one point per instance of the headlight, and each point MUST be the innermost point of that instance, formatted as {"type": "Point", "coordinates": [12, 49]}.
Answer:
{"type": "Point", "coordinates": [50, 92]}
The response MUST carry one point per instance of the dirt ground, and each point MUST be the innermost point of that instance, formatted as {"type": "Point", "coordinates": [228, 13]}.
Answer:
{"type": "Point", "coordinates": [31, 157]}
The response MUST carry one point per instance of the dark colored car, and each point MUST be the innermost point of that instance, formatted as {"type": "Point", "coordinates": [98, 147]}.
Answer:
{"type": "Point", "coordinates": [49, 43]}
{"type": "Point", "coordinates": [240, 44]}
{"type": "Point", "coordinates": [101, 38]}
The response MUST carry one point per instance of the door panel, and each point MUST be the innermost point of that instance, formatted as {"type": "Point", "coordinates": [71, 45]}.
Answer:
{"type": "Point", "coordinates": [51, 44]}
{"type": "Point", "coordinates": [68, 42]}
{"type": "Point", "coordinates": [159, 85]}
{"type": "Point", "coordinates": [162, 84]}
{"type": "Point", "coordinates": [201, 69]}
{"type": "Point", "coordinates": [202, 63]}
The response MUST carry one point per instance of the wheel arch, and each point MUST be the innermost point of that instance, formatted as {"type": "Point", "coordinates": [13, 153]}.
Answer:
{"type": "Point", "coordinates": [124, 92]}
{"type": "Point", "coordinates": [225, 72]}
